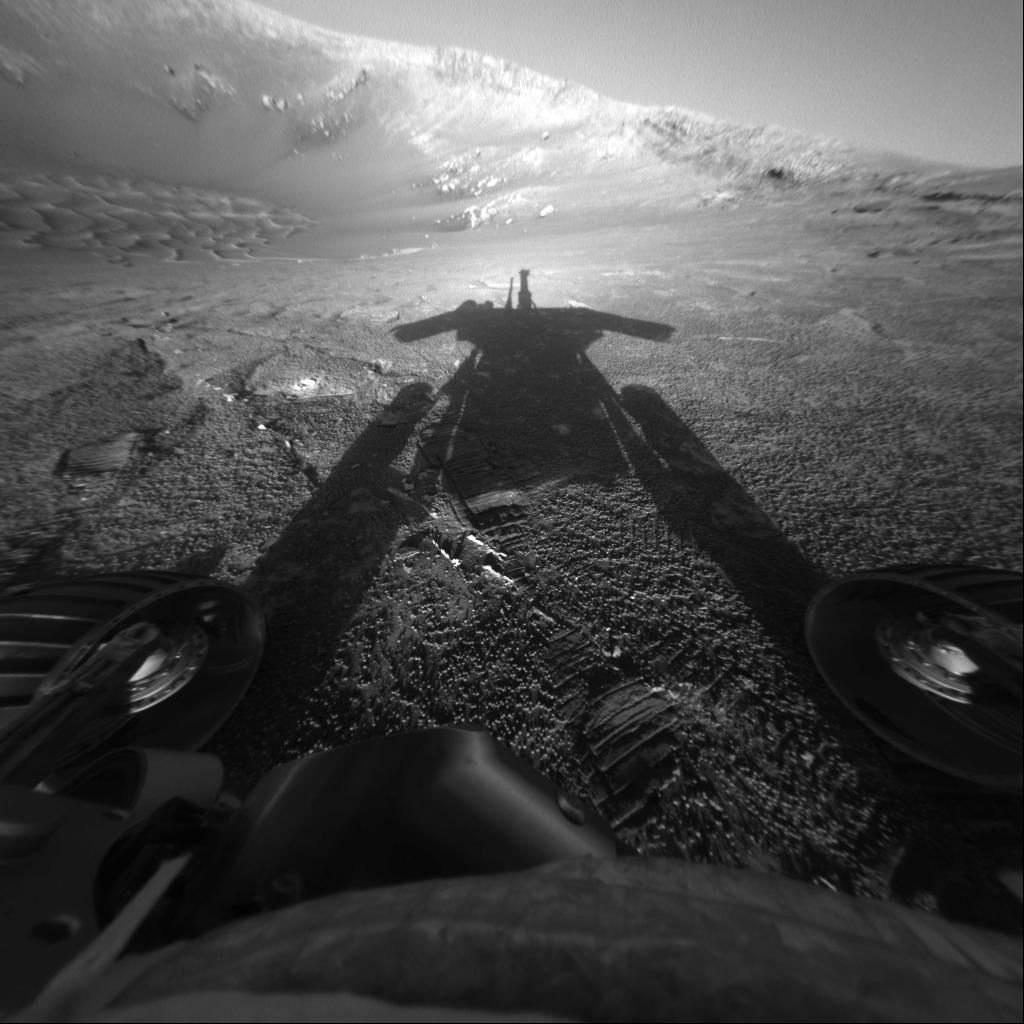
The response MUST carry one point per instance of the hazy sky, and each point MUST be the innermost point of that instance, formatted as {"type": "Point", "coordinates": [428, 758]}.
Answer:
{"type": "Point", "coordinates": [933, 78]}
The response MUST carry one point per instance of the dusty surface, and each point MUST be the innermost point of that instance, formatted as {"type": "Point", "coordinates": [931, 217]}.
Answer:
{"type": "Point", "coordinates": [724, 399]}
{"type": "Point", "coordinates": [668, 489]}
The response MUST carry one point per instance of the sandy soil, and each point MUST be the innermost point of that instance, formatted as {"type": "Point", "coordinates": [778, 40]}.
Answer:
{"type": "Point", "coordinates": [711, 413]}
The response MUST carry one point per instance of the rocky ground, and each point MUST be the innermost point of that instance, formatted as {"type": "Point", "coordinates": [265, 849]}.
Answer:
{"type": "Point", "coordinates": [593, 527]}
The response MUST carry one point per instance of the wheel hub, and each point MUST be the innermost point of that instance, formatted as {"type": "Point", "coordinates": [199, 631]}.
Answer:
{"type": "Point", "coordinates": [170, 668]}
{"type": "Point", "coordinates": [922, 651]}
{"type": "Point", "coordinates": [929, 658]}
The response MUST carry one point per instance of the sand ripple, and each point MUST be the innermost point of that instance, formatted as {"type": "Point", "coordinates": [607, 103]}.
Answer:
{"type": "Point", "coordinates": [117, 219]}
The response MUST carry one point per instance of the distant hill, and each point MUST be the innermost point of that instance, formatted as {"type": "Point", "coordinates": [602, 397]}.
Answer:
{"type": "Point", "coordinates": [233, 99]}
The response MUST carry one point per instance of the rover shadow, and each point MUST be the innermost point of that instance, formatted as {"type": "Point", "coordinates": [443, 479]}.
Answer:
{"type": "Point", "coordinates": [490, 327]}
{"type": "Point", "coordinates": [534, 408]}
{"type": "Point", "coordinates": [697, 497]}
{"type": "Point", "coordinates": [527, 407]}
{"type": "Point", "coordinates": [311, 579]}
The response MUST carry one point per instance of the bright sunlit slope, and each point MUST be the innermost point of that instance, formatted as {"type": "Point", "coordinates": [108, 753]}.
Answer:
{"type": "Point", "coordinates": [185, 127]}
